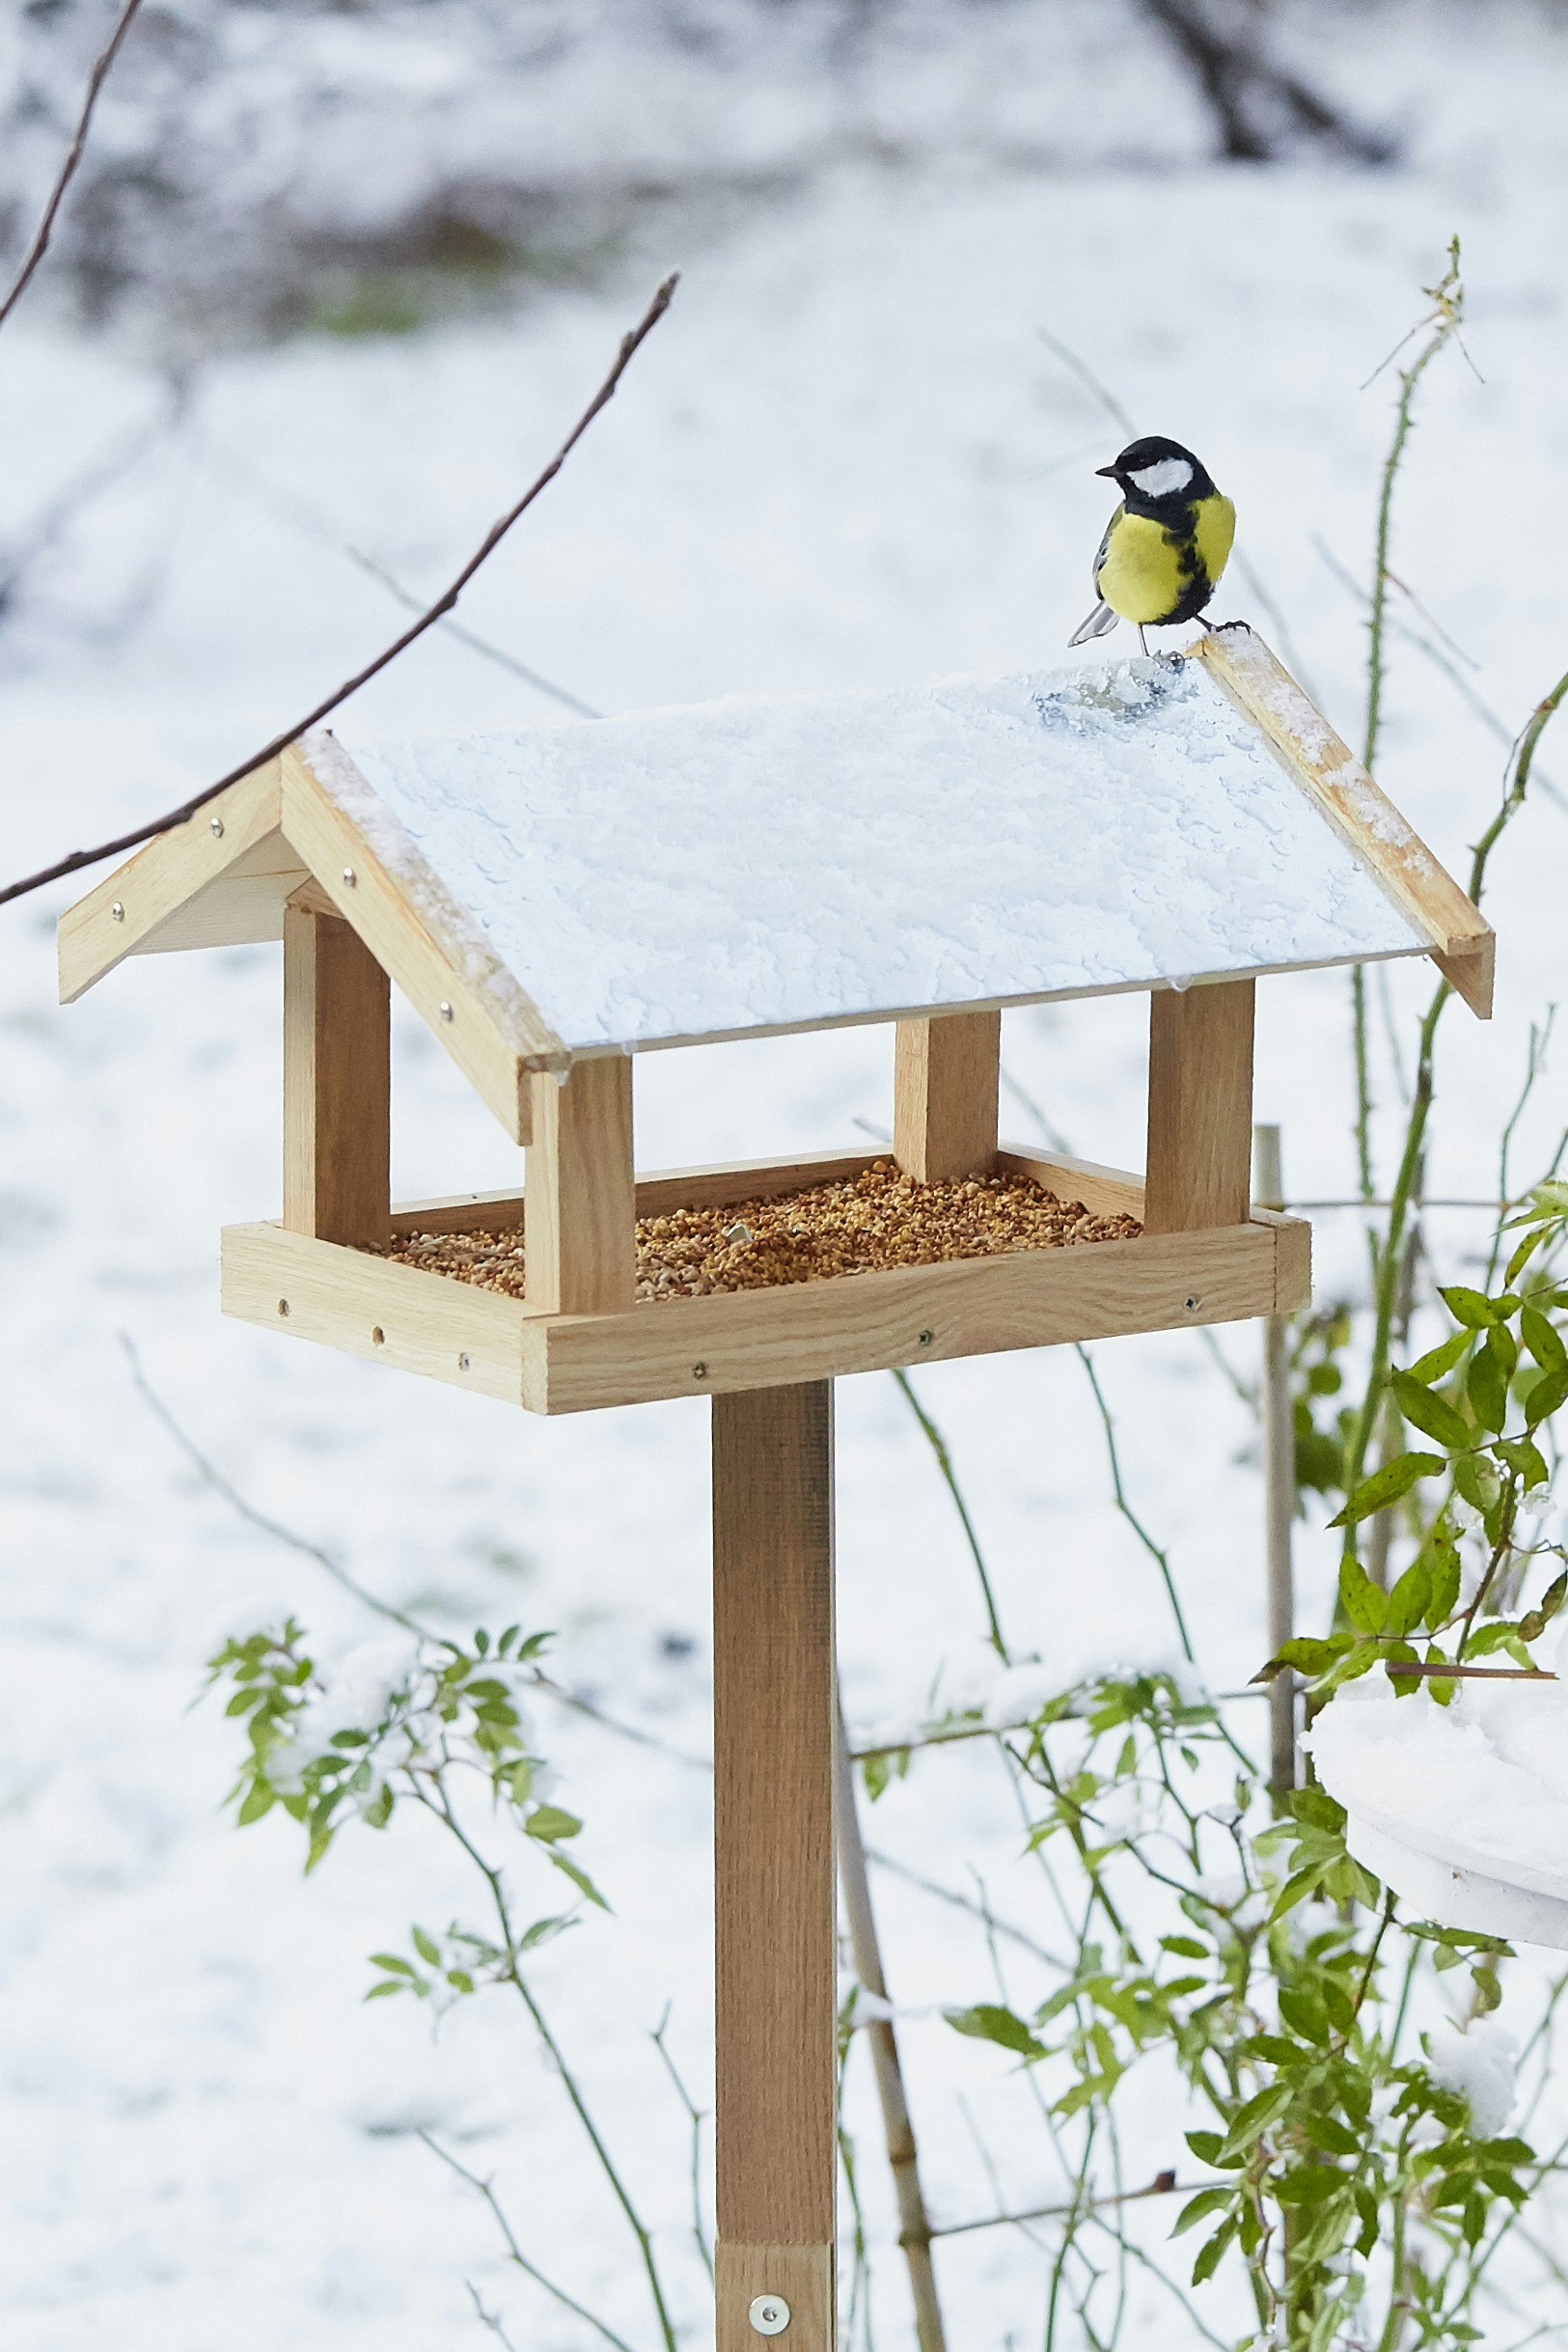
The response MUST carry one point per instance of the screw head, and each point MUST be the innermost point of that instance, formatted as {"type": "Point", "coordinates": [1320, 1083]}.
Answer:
{"type": "Point", "coordinates": [1192, 1305]}
{"type": "Point", "coordinates": [769, 2314]}
{"type": "Point", "coordinates": [118, 911]}
{"type": "Point", "coordinates": [282, 1305]}
{"type": "Point", "coordinates": [215, 824]}
{"type": "Point", "coordinates": [462, 1363]}
{"type": "Point", "coordinates": [444, 1010]}
{"type": "Point", "coordinates": [377, 1335]}
{"type": "Point", "coordinates": [699, 1371]}
{"type": "Point", "coordinates": [350, 877]}
{"type": "Point", "coordinates": [926, 1338]}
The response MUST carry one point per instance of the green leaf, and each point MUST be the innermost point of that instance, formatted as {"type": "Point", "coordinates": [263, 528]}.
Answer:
{"type": "Point", "coordinates": [1409, 1601]}
{"type": "Point", "coordinates": [426, 1946]}
{"type": "Point", "coordinates": [1427, 1411]}
{"type": "Point", "coordinates": [1198, 2208]}
{"type": "Point", "coordinates": [580, 1878]}
{"type": "Point", "coordinates": [1363, 1603]}
{"type": "Point", "coordinates": [259, 1799]}
{"type": "Point", "coordinates": [1208, 2259]}
{"type": "Point", "coordinates": [549, 1822]}
{"type": "Point", "coordinates": [394, 1963]}
{"type": "Point", "coordinates": [1523, 1457]}
{"type": "Point", "coordinates": [1439, 1361]}
{"type": "Point", "coordinates": [1543, 1340]}
{"type": "Point", "coordinates": [388, 1984]}
{"type": "Point", "coordinates": [1329, 2134]}
{"type": "Point", "coordinates": [1442, 1553]}
{"type": "Point", "coordinates": [1388, 1485]}
{"type": "Point", "coordinates": [1471, 1308]}
{"type": "Point", "coordinates": [1308, 2184]}
{"type": "Point", "coordinates": [1486, 1386]}
{"type": "Point", "coordinates": [988, 2021]}
{"type": "Point", "coordinates": [1534, 1623]}
{"type": "Point", "coordinates": [1252, 2121]}
{"type": "Point", "coordinates": [1184, 1946]}
{"type": "Point", "coordinates": [1546, 1398]}
{"type": "Point", "coordinates": [1205, 2145]}
{"type": "Point", "coordinates": [459, 1980]}
{"type": "Point", "coordinates": [1303, 2015]}
{"type": "Point", "coordinates": [1306, 1655]}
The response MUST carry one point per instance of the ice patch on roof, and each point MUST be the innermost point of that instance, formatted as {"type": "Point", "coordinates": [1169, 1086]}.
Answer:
{"type": "Point", "coordinates": [766, 863]}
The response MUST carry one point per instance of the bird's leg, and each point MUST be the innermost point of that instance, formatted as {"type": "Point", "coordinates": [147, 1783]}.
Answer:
{"type": "Point", "coordinates": [1141, 639]}
{"type": "Point", "coordinates": [1205, 625]}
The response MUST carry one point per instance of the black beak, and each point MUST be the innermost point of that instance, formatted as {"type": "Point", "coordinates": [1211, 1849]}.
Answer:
{"type": "Point", "coordinates": [1108, 469]}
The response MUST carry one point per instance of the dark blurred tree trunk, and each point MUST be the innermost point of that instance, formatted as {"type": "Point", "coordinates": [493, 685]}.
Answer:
{"type": "Point", "coordinates": [1262, 111]}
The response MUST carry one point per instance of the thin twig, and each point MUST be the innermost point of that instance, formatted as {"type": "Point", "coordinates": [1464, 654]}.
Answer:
{"type": "Point", "coordinates": [898, 2130]}
{"type": "Point", "coordinates": [66, 173]}
{"type": "Point", "coordinates": [211, 1476]}
{"type": "Point", "coordinates": [514, 2251]}
{"type": "Point", "coordinates": [316, 525]}
{"type": "Point", "coordinates": [944, 1462]}
{"type": "Point", "coordinates": [488, 2319]}
{"type": "Point", "coordinates": [1160, 1557]}
{"type": "Point", "coordinates": [280, 742]}
{"type": "Point", "coordinates": [694, 2115]}
{"type": "Point", "coordinates": [1164, 2184]}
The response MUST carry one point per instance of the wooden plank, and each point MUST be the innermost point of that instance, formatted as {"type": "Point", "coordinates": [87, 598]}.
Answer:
{"type": "Point", "coordinates": [945, 1077]}
{"type": "Point", "coordinates": [373, 1307]}
{"type": "Point", "coordinates": [336, 1082]}
{"type": "Point", "coordinates": [151, 888]}
{"type": "Point", "coordinates": [1105, 1192]}
{"type": "Point", "coordinates": [581, 1193]}
{"type": "Point", "coordinates": [775, 1907]}
{"type": "Point", "coordinates": [479, 1212]}
{"type": "Point", "coordinates": [909, 1314]}
{"type": "Point", "coordinates": [495, 1046]}
{"type": "Point", "coordinates": [1346, 796]}
{"type": "Point", "coordinates": [1201, 1107]}
{"type": "Point", "coordinates": [802, 2273]}
{"type": "Point", "coordinates": [1293, 1259]}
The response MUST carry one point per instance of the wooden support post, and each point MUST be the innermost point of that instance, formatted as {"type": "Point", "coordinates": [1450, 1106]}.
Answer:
{"type": "Point", "coordinates": [775, 1928]}
{"type": "Point", "coordinates": [1201, 1107]}
{"type": "Point", "coordinates": [945, 1078]}
{"type": "Point", "coordinates": [336, 1082]}
{"type": "Point", "coordinates": [1278, 1492]}
{"type": "Point", "coordinates": [580, 1200]}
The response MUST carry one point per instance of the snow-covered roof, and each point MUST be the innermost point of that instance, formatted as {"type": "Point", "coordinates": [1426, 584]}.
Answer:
{"type": "Point", "coordinates": [754, 866]}
{"type": "Point", "coordinates": [761, 865]}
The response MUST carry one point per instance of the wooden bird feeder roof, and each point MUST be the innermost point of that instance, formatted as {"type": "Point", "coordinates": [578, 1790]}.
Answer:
{"type": "Point", "coordinates": [555, 902]}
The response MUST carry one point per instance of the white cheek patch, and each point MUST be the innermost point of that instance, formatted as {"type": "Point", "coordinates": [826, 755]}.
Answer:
{"type": "Point", "coordinates": [1161, 480]}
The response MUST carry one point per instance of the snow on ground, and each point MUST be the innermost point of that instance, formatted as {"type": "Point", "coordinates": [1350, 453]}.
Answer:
{"type": "Point", "coordinates": [847, 458]}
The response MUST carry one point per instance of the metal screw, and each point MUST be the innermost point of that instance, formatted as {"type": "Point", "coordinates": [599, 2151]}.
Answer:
{"type": "Point", "coordinates": [444, 1010]}
{"type": "Point", "coordinates": [118, 911]}
{"type": "Point", "coordinates": [926, 1337]}
{"type": "Point", "coordinates": [282, 1305]}
{"type": "Point", "coordinates": [378, 1335]}
{"type": "Point", "coordinates": [769, 2314]}
{"type": "Point", "coordinates": [1192, 1305]}
{"type": "Point", "coordinates": [350, 877]}
{"type": "Point", "coordinates": [699, 1371]}
{"type": "Point", "coordinates": [462, 1363]}
{"type": "Point", "coordinates": [216, 823]}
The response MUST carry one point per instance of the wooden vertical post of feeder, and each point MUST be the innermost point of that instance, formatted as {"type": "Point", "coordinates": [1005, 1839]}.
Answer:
{"type": "Point", "coordinates": [1201, 1107]}
{"type": "Point", "coordinates": [946, 1075]}
{"type": "Point", "coordinates": [580, 1192]}
{"type": "Point", "coordinates": [336, 1083]}
{"type": "Point", "coordinates": [773, 1709]}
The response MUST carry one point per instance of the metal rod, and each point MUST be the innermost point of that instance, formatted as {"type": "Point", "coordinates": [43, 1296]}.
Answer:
{"type": "Point", "coordinates": [1278, 1490]}
{"type": "Point", "coordinates": [914, 2223]}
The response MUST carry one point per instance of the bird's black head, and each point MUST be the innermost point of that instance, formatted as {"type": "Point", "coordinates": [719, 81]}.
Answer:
{"type": "Point", "coordinates": [1155, 472]}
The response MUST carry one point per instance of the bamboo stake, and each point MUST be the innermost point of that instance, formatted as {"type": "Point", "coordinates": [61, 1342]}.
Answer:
{"type": "Point", "coordinates": [1278, 1491]}
{"type": "Point", "coordinates": [915, 2232]}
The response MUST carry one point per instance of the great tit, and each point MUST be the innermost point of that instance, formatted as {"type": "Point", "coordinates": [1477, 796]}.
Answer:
{"type": "Point", "coordinates": [1166, 543]}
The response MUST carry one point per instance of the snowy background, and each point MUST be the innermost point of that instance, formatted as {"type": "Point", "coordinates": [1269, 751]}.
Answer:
{"type": "Point", "coordinates": [850, 456]}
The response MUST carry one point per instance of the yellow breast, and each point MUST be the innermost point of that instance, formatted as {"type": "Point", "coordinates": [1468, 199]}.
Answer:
{"type": "Point", "coordinates": [1144, 574]}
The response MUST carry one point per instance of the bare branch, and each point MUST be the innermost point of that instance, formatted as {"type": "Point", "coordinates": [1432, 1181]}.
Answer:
{"type": "Point", "coordinates": [629, 344]}
{"type": "Point", "coordinates": [66, 173]}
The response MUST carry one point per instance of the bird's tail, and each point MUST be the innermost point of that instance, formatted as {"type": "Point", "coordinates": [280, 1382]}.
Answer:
{"type": "Point", "coordinates": [1101, 620]}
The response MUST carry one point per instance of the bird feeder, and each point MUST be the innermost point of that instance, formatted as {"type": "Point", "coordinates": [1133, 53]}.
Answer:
{"type": "Point", "coordinates": [556, 902]}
